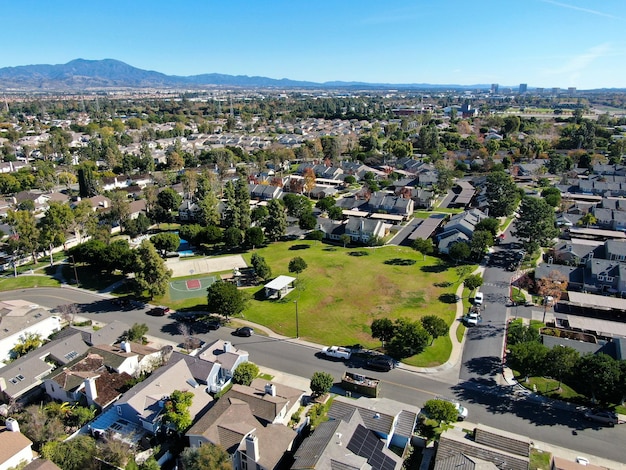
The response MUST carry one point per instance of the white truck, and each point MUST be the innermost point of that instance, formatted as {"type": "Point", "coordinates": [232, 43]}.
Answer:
{"type": "Point", "coordinates": [336, 352]}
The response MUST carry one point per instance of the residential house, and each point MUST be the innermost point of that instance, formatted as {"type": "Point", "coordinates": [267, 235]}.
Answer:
{"type": "Point", "coordinates": [362, 230]}
{"type": "Point", "coordinates": [389, 203]}
{"type": "Point", "coordinates": [602, 275]}
{"type": "Point", "coordinates": [188, 211]}
{"type": "Point", "coordinates": [460, 228]}
{"type": "Point", "coordinates": [505, 450]}
{"type": "Point", "coordinates": [575, 275]}
{"type": "Point", "coordinates": [332, 229]}
{"type": "Point", "coordinates": [139, 410]}
{"type": "Point", "coordinates": [137, 207]}
{"type": "Point", "coordinates": [615, 250]}
{"type": "Point", "coordinates": [21, 379]}
{"type": "Point", "coordinates": [265, 192]}
{"type": "Point", "coordinates": [576, 251]}
{"type": "Point", "coordinates": [19, 319]}
{"type": "Point", "coordinates": [611, 219]}
{"type": "Point", "coordinates": [15, 447]}
{"type": "Point", "coordinates": [245, 423]}
{"type": "Point", "coordinates": [41, 464]}
{"type": "Point", "coordinates": [358, 435]}
{"type": "Point", "coordinates": [463, 194]}
{"type": "Point", "coordinates": [227, 357]}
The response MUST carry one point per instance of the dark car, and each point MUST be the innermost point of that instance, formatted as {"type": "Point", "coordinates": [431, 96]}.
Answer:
{"type": "Point", "coordinates": [213, 325]}
{"type": "Point", "coordinates": [244, 331]}
{"type": "Point", "coordinates": [159, 311]}
{"type": "Point", "coordinates": [381, 364]}
{"type": "Point", "coordinates": [607, 417]}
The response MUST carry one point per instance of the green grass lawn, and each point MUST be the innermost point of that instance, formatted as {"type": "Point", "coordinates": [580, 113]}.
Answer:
{"type": "Point", "coordinates": [25, 282]}
{"type": "Point", "coordinates": [339, 295]}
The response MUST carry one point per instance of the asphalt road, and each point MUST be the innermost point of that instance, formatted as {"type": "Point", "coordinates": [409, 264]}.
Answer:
{"type": "Point", "coordinates": [476, 387]}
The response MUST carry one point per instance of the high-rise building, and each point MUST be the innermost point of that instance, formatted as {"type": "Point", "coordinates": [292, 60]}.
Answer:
{"type": "Point", "coordinates": [523, 88]}
{"type": "Point", "coordinates": [494, 88]}
{"type": "Point", "coordinates": [571, 90]}
{"type": "Point", "coordinates": [556, 90]}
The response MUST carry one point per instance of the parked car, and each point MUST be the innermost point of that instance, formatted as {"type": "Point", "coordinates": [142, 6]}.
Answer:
{"type": "Point", "coordinates": [382, 364]}
{"type": "Point", "coordinates": [607, 417]}
{"type": "Point", "coordinates": [472, 318]}
{"type": "Point", "coordinates": [159, 311]}
{"type": "Point", "coordinates": [336, 352]}
{"type": "Point", "coordinates": [244, 331]}
{"type": "Point", "coordinates": [213, 325]}
{"type": "Point", "coordinates": [478, 298]}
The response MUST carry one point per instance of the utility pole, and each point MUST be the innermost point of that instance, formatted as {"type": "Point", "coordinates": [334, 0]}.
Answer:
{"type": "Point", "coordinates": [75, 272]}
{"type": "Point", "coordinates": [297, 325]}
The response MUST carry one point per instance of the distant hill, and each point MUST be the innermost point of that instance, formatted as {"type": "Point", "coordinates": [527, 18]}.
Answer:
{"type": "Point", "coordinates": [81, 74]}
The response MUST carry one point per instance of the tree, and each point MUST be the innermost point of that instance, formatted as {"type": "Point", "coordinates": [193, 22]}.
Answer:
{"type": "Point", "coordinates": [335, 213]}
{"type": "Point", "coordinates": [169, 200]}
{"type": "Point", "coordinates": [245, 373]}
{"type": "Point", "coordinates": [560, 362]}
{"type": "Point", "coordinates": [261, 268]}
{"type": "Point", "coordinates": [27, 342]}
{"type": "Point", "coordinates": [552, 196]}
{"type": "Point", "coordinates": [424, 246]}
{"type": "Point", "coordinates": [331, 148]}
{"type": "Point", "coordinates": [233, 237]}
{"type": "Point", "coordinates": [587, 220]}
{"type": "Point", "coordinates": [254, 237]}
{"type": "Point", "coordinates": [307, 221]}
{"type": "Point", "coordinates": [259, 214]}
{"type": "Point", "coordinates": [345, 239]}
{"type": "Point", "coordinates": [321, 383]}
{"type": "Point", "coordinates": [527, 358]}
{"type": "Point", "coordinates": [296, 204]}
{"type": "Point", "coordinates": [435, 326]}
{"type": "Point", "coordinates": [459, 251]}
{"type": "Point", "coordinates": [276, 223]}
{"type": "Point", "coordinates": [410, 338]}
{"type": "Point", "coordinates": [600, 377]}
{"type": "Point", "coordinates": [553, 285]}
{"type": "Point", "coordinates": [177, 410]}
{"type": "Point", "coordinates": [136, 332]}
{"type": "Point", "coordinates": [501, 193]}
{"type": "Point", "coordinates": [480, 243]}
{"type": "Point", "coordinates": [325, 203]}
{"type": "Point", "coordinates": [440, 410]}
{"type": "Point", "coordinates": [74, 454]}
{"type": "Point", "coordinates": [151, 272]}
{"type": "Point", "coordinates": [54, 225]}
{"type": "Point", "coordinates": [120, 207]}
{"type": "Point", "coordinates": [519, 333]}
{"type": "Point", "coordinates": [489, 224]}
{"type": "Point", "coordinates": [536, 223]}
{"type": "Point", "coordinates": [208, 213]}
{"type": "Point", "coordinates": [473, 281]}
{"type": "Point", "coordinates": [25, 237]}
{"type": "Point", "coordinates": [316, 235]}
{"type": "Point", "coordinates": [206, 457]}
{"type": "Point", "coordinates": [383, 329]}
{"type": "Point", "coordinates": [225, 299]}
{"type": "Point", "coordinates": [165, 242]}
{"type": "Point", "coordinates": [297, 265]}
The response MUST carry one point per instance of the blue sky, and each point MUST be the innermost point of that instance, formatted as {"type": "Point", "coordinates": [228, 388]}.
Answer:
{"type": "Point", "coordinates": [544, 43]}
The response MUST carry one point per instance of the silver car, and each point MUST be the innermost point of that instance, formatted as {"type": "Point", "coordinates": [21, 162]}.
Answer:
{"type": "Point", "coordinates": [602, 416]}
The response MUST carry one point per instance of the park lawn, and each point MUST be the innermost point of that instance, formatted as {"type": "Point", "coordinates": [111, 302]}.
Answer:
{"type": "Point", "coordinates": [339, 295]}
{"type": "Point", "coordinates": [25, 282]}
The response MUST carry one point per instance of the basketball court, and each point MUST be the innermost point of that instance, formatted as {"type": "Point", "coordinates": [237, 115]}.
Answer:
{"type": "Point", "coordinates": [190, 288]}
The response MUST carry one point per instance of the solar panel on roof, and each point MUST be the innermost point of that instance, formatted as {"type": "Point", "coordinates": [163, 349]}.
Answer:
{"type": "Point", "coordinates": [365, 443]}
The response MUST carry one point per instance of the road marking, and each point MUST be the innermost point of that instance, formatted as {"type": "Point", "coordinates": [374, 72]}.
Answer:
{"type": "Point", "coordinates": [409, 387]}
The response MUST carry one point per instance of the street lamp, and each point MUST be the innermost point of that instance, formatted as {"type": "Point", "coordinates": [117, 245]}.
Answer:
{"type": "Point", "coordinates": [75, 272]}
{"type": "Point", "coordinates": [297, 325]}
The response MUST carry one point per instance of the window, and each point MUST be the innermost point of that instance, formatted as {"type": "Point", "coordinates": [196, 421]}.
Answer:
{"type": "Point", "coordinates": [609, 278]}
{"type": "Point", "coordinates": [600, 277]}
{"type": "Point", "coordinates": [119, 410]}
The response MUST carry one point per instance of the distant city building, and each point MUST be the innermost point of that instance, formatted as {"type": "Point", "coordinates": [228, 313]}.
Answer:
{"type": "Point", "coordinates": [523, 88]}
{"type": "Point", "coordinates": [494, 88]}
{"type": "Point", "coordinates": [556, 90]}
{"type": "Point", "coordinates": [571, 90]}
{"type": "Point", "coordinates": [539, 91]}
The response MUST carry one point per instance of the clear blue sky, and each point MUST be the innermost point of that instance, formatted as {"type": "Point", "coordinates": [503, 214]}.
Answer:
{"type": "Point", "coordinates": [544, 43]}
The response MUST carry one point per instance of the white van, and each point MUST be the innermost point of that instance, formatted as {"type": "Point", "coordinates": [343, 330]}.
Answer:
{"type": "Point", "coordinates": [478, 298]}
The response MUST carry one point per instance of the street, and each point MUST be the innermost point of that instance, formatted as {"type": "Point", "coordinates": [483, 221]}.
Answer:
{"type": "Point", "coordinates": [476, 388]}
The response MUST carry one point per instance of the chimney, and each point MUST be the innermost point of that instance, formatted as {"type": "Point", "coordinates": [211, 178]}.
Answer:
{"type": "Point", "coordinates": [270, 389]}
{"type": "Point", "coordinates": [125, 345]}
{"type": "Point", "coordinates": [252, 448]}
{"type": "Point", "coordinates": [90, 390]}
{"type": "Point", "coordinates": [12, 425]}
{"type": "Point", "coordinates": [228, 347]}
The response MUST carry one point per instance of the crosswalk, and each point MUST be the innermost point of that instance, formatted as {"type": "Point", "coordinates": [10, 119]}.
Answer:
{"type": "Point", "coordinates": [496, 284]}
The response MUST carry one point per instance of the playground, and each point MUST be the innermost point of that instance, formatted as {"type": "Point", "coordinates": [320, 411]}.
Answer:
{"type": "Point", "coordinates": [190, 288]}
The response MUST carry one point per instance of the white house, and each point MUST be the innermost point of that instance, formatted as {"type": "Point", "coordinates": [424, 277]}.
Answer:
{"type": "Point", "coordinates": [19, 319]}
{"type": "Point", "coordinates": [15, 447]}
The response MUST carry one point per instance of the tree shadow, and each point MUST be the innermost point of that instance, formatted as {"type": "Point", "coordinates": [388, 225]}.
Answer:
{"type": "Point", "coordinates": [442, 284]}
{"type": "Point", "coordinates": [330, 248]}
{"type": "Point", "coordinates": [400, 262]}
{"type": "Point", "coordinates": [299, 246]}
{"type": "Point", "coordinates": [436, 268]}
{"type": "Point", "coordinates": [487, 366]}
{"type": "Point", "coordinates": [448, 298]}
{"type": "Point", "coordinates": [358, 253]}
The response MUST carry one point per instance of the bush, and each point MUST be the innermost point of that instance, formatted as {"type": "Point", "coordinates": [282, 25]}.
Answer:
{"type": "Point", "coordinates": [245, 373]}
{"type": "Point", "coordinates": [321, 383]}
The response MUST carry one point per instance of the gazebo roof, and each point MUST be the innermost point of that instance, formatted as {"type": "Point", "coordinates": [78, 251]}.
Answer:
{"type": "Point", "coordinates": [280, 282]}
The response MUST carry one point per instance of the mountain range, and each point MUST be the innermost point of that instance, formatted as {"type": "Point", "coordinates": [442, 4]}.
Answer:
{"type": "Point", "coordinates": [81, 74]}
